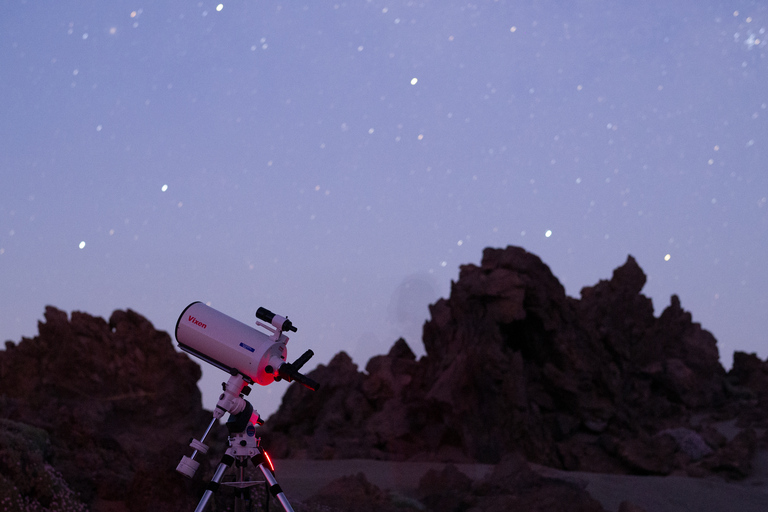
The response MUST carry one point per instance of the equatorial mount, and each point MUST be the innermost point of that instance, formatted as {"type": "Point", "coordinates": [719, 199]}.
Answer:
{"type": "Point", "coordinates": [243, 445]}
{"type": "Point", "coordinates": [249, 356]}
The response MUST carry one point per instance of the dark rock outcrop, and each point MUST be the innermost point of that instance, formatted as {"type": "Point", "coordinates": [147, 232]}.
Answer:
{"type": "Point", "coordinates": [513, 365]}
{"type": "Point", "coordinates": [117, 403]}
{"type": "Point", "coordinates": [350, 494]}
{"type": "Point", "coordinates": [27, 479]}
{"type": "Point", "coordinates": [512, 485]}
{"type": "Point", "coordinates": [98, 413]}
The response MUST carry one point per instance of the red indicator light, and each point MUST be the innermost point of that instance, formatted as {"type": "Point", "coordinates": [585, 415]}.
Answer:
{"type": "Point", "coordinates": [269, 461]}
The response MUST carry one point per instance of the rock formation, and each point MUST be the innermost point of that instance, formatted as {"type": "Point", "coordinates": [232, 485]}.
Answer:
{"type": "Point", "coordinates": [115, 404]}
{"type": "Point", "coordinates": [512, 485]}
{"type": "Point", "coordinates": [514, 366]}
{"type": "Point", "coordinates": [97, 413]}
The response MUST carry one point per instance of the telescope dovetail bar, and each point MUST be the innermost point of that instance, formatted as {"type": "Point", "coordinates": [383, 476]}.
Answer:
{"type": "Point", "coordinates": [249, 356]}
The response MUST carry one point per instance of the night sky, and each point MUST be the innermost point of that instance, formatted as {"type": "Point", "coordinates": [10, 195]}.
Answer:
{"type": "Point", "coordinates": [338, 162]}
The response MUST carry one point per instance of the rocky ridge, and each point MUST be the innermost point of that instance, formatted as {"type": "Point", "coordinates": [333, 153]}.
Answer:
{"type": "Point", "coordinates": [514, 366]}
{"type": "Point", "coordinates": [96, 413]}
{"type": "Point", "coordinates": [105, 408]}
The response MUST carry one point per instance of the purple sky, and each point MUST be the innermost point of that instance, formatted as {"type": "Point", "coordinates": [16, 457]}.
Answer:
{"type": "Point", "coordinates": [337, 162]}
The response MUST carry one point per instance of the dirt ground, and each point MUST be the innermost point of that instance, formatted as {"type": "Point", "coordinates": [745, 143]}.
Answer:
{"type": "Point", "coordinates": [302, 478]}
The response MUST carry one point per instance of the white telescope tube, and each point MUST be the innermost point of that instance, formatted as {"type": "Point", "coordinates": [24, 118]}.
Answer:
{"type": "Point", "coordinates": [229, 344]}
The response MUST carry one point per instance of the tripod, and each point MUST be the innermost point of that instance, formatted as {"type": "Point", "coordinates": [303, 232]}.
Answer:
{"type": "Point", "coordinates": [243, 446]}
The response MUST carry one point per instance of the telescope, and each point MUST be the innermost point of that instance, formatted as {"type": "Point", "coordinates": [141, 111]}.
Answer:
{"type": "Point", "coordinates": [237, 348]}
{"type": "Point", "coordinates": [249, 356]}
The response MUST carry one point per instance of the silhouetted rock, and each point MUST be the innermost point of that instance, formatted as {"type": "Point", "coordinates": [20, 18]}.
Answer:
{"type": "Point", "coordinates": [688, 442]}
{"type": "Point", "coordinates": [354, 414]}
{"type": "Point", "coordinates": [751, 373]}
{"type": "Point", "coordinates": [448, 490]}
{"type": "Point", "coordinates": [748, 381]}
{"type": "Point", "coordinates": [513, 365]}
{"type": "Point", "coordinates": [117, 401]}
{"type": "Point", "coordinates": [514, 486]}
{"type": "Point", "coordinates": [351, 494]}
{"type": "Point", "coordinates": [734, 460]}
{"type": "Point", "coordinates": [515, 371]}
{"type": "Point", "coordinates": [511, 486]}
{"type": "Point", "coordinates": [27, 479]}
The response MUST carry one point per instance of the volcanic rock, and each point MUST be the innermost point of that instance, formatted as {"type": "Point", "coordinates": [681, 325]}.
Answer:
{"type": "Point", "coordinates": [116, 402]}
{"type": "Point", "coordinates": [512, 485]}
{"type": "Point", "coordinates": [448, 490]}
{"type": "Point", "coordinates": [27, 480]}
{"type": "Point", "coordinates": [514, 366]}
{"type": "Point", "coordinates": [350, 494]}
{"type": "Point", "coordinates": [98, 413]}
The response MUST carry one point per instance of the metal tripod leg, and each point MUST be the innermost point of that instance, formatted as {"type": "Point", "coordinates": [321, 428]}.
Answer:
{"type": "Point", "coordinates": [274, 488]}
{"type": "Point", "coordinates": [213, 485]}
